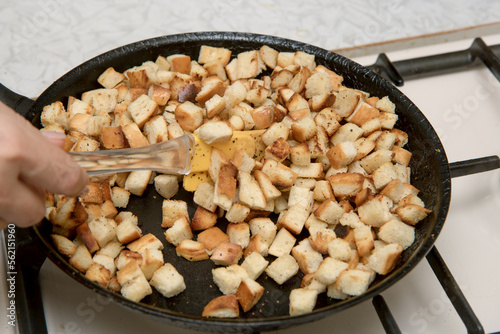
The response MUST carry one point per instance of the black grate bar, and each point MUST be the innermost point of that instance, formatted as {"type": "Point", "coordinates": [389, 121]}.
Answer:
{"type": "Point", "coordinates": [445, 63]}
{"type": "Point", "coordinates": [385, 315]}
{"type": "Point", "coordinates": [473, 166]}
{"type": "Point", "coordinates": [454, 292]}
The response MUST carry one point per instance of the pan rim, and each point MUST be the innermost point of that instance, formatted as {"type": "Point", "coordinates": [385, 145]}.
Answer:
{"type": "Point", "coordinates": [269, 323]}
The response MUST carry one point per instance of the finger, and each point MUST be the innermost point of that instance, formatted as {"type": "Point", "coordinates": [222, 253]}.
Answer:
{"type": "Point", "coordinates": [55, 138]}
{"type": "Point", "coordinates": [3, 224]}
{"type": "Point", "coordinates": [23, 205]}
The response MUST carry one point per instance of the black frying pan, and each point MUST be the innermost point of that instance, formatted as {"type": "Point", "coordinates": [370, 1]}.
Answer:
{"type": "Point", "coordinates": [430, 174]}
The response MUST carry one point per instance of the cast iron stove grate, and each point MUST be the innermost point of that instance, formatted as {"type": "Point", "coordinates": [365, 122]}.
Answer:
{"type": "Point", "coordinates": [29, 305]}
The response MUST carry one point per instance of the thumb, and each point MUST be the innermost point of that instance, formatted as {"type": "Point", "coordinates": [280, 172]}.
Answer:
{"type": "Point", "coordinates": [55, 138]}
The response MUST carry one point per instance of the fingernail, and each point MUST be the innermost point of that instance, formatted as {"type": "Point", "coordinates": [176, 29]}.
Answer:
{"type": "Point", "coordinates": [84, 191]}
{"type": "Point", "coordinates": [53, 135]}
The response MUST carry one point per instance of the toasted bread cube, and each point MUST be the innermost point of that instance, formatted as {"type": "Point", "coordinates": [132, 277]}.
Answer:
{"type": "Point", "coordinates": [134, 285]}
{"type": "Point", "coordinates": [134, 136]}
{"type": "Point", "coordinates": [76, 106]}
{"type": "Point", "coordinates": [81, 258]}
{"type": "Point", "coordinates": [387, 120]}
{"type": "Point", "coordinates": [279, 174]}
{"type": "Point", "coordinates": [278, 150]}
{"type": "Point", "coordinates": [275, 131]}
{"type": "Point", "coordinates": [282, 269]}
{"type": "Point", "coordinates": [256, 245]}
{"type": "Point", "coordinates": [311, 283]}
{"type": "Point", "coordinates": [354, 282]}
{"type": "Point", "coordinates": [102, 230]}
{"type": "Point", "coordinates": [339, 249]}
{"type": "Point", "coordinates": [249, 64]}
{"type": "Point", "coordinates": [222, 307]}
{"type": "Point", "coordinates": [189, 116]}
{"type": "Point", "coordinates": [294, 218]}
{"type": "Point", "coordinates": [234, 94]}
{"type": "Point", "coordinates": [376, 159]}
{"type": "Point", "coordinates": [383, 175]}
{"type": "Point", "coordinates": [204, 196]}
{"type": "Point", "coordinates": [152, 259]}
{"type": "Point", "coordinates": [341, 154]}
{"type": "Point", "coordinates": [384, 258]}
{"type": "Point", "coordinates": [211, 238]}
{"type": "Point", "coordinates": [363, 114]}
{"type": "Point", "coordinates": [215, 105]}
{"type": "Point", "coordinates": [280, 77]}
{"type": "Point", "coordinates": [54, 114]}
{"type": "Point", "coordinates": [282, 243]}
{"type": "Point", "coordinates": [412, 213]}
{"type": "Point", "coordinates": [322, 191]}
{"type": "Point", "coordinates": [307, 258]}
{"type": "Point", "coordinates": [302, 196]}
{"type": "Point", "coordinates": [112, 137]}
{"type": "Point", "coordinates": [112, 249]}
{"type": "Point", "coordinates": [329, 270]}
{"type": "Point", "coordinates": [214, 132]}
{"type": "Point", "coordinates": [313, 170]}
{"type": "Point", "coordinates": [304, 183]}
{"type": "Point", "coordinates": [346, 184]}
{"type": "Point", "coordinates": [148, 241]}
{"type": "Point", "coordinates": [386, 105]}
{"type": "Point", "coordinates": [156, 130]}
{"type": "Point", "coordinates": [172, 211]}
{"type": "Point", "coordinates": [85, 144]}
{"type": "Point", "coordinates": [374, 213]}
{"type": "Point", "coordinates": [102, 99]}
{"type": "Point", "coordinates": [180, 63]}
{"type": "Point", "coordinates": [107, 262]}
{"type": "Point", "coordinates": [237, 213]}
{"type": "Point", "coordinates": [127, 232]}
{"type": "Point", "coordinates": [401, 156]}
{"type": "Point", "coordinates": [346, 102]}
{"type": "Point", "coordinates": [265, 227]}
{"type": "Point", "coordinates": [179, 231]}
{"type": "Point", "coordinates": [63, 245]}
{"type": "Point", "coordinates": [191, 250]}
{"type": "Point", "coordinates": [302, 301]}
{"type": "Point", "coordinates": [168, 281]}
{"type": "Point", "coordinates": [269, 56]}
{"type": "Point", "coordinates": [248, 294]}
{"type": "Point", "coordinates": [166, 185]}
{"type": "Point", "coordinates": [243, 161]}
{"type": "Point", "coordinates": [228, 278]}
{"type": "Point", "coordinates": [397, 232]}
{"type": "Point", "coordinates": [319, 238]}
{"type": "Point", "coordinates": [209, 54]}
{"type": "Point", "coordinates": [335, 293]}
{"type": "Point", "coordinates": [329, 211]}
{"type": "Point", "coordinates": [300, 155]}
{"type": "Point", "coordinates": [203, 219]}
{"type": "Point", "coordinates": [238, 233]}
{"type": "Point", "coordinates": [411, 199]}
{"type": "Point", "coordinates": [250, 193]}
{"type": "Point", "coordinates": [137, 181]}
{"type": "Point", "coordinates": [254, 264]}
{"type": "Point", "coordinates": [211, 86]}
{"type": "Point", "coordinates": [318, 83]}
{"type": "Point", "coordinates": [347, 132]}
{"type": "Point", "coordinates": [110, 78]}
{"type": "Point", "coordinates": [304, 129]}
{"type": "Point", "coordinates": [125, 257]}
{"type": "Point", "coordinates": [363, 238]}
{"type": "Point", "coordinates": [99, 274]}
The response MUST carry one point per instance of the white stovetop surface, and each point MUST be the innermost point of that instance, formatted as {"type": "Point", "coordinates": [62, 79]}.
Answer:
{"type": "Point", "coordinates": [460, 107]}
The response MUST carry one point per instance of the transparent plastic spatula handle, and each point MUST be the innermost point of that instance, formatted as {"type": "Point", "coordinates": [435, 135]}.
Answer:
{"type": "Point", "coordinates": [173, 156]}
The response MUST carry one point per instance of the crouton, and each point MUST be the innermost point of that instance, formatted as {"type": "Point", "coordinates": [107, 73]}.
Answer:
{"type": "Point", "coordinates": [238, 233]}
{"type": "Point", "coordinates": [179, 231]}
{"type": "Point", "coordinates": [166, 185]}
{"type": "Point", "coordinates": [401, 156]}
{"type": "Point", "coordinates": [363, 114]}
{"type": "Point", "coordinates": [142, 109]}
{"type": "Point", "coordinates": [347, 132]}
{"type": "Point", "coordinates": [412, 213]}
{"type": "Point", "coordinates": [354, 282]}
{"type": "Point", "coordinates": [250, 193]}
{"type": "Point", "coordinates": [102, 99]}
{"type": "Point", "coordinates": [103, 230]}
{"type": "Point", "coordinates": [137, 181]}
{"type": "Point", "coordinates": [204, 196]}
{"type": "Point", "coordinates": [203, 219]}
{"type": "Point", "coordinates": [302, 301]}
{"type": "Point", "coordinates": [304, 129]}
{"type": "Point", "coordinates": [329, 270]}
{"type": "Point", "coordinates": [148, 241]}
{"type": "Point", "coordinates": [191, 250]}
{"type": "Point", "coordinates": [211, 238]}
{"type": "Point", "coordinates": [329, 211]}
{"type": "Point", "coordinates": [341, 154]}
{"type": "Point", "coordinates": [376, 159]}
{"type": "Point", "coordinates": [222, 307]}
{"type": "Point", "coordinates": [397, 232]}
{"type": "Point", "coordinates": [318, 83]}
{"type": "Point", "coordinates": [374, 213]}
{"type": "Point", "coordinates": [282, 269]}
{"type": "Point", "coordinates": [320, 237]}
{"type": "Point", "coordinates": [278, 150]}
{"type": "Point", "coordinates": [313, 170]}
{"type": "Point", "coordinates": [99, 274]}
{"type": "Point", "coordinates": [63, 245]}
{"type": "Point", "coordinates": [256, 245]}
{"type": "Point", "coordinates": [322, 190]}
{"type": "Point", "coordinates": [110, 78]}
{"type": "Point", "coordinates": [228, 278]}
{"type": "Point", "coordinates": [383, 175]}
{"type": "Point", "coordinates": [156, 130]}
{"type": "Point", "coordinates": [346, 185]}
{"type": "Point", "coordinates": [346, 102]}
{"type": "Point", "coordinates": [152, 259]}
{"type": "Point", "coordinates": [265, 227]}
{"type": "Point", "coordinates": [384, 258]}
{"type": "Point", "coordinates": [254, 264]}
{"type": "Point", "coordinates": [294, 218]}
{"type": "Point", "coordinates": [168, 281]}
{"type": "Point", "coordinates": [248, 294]}
{"type": "Point", "coordinates": [215, 105]}
{"type": "Point", "coordinates": [81, 258]}
{"type": "Point", "coordinates": [189, 116]}
{"type": "Point", "coordinates": [237, 213]}
{"type": "Point", "coordinates": [134, 285]}
{"type": "Point", "coordinates": [307, 258]}
{"type": "Point", "coordinates": [279, 174]}
{"type": "Point", "coordinates": [214, 132]}
{"type": "Point", "coordinates": [363, 238]}
{"type": "Point", "coordinates": [269, 56]}
{"type": "Point", "coordinates": [386, 105]}
{"type": "Point", "coordinates": [173, 210]}
{"type": "Point", "coordinates": [127, 232]}
{"type": "Point", "coordinates": [282, 243]}
{"type": "Point", "coordinates": [112, 137]}
{"type": "Point", "coordinates": [134, 136]}
{"type": "Point", "coordinates": [339, 249]}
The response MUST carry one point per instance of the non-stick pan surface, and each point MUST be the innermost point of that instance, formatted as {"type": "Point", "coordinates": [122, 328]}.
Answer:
{"type": "Point", "coordinates": [429, 165]}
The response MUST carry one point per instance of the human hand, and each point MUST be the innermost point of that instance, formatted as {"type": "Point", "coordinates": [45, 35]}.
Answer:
{"type": "Point", "coordinates": [30, 164]}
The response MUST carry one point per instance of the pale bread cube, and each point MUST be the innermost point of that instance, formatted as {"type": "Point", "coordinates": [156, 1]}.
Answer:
{"type": "Point", "coordinates": [173, 210]}
{"type": "Point", "coordinates": [81, 259]}
{"type": "Point", "coordinates": [63, 245]}
{"type": "Point", "coordinates": [254, 264]}
{"type": "Point", "coordinates": [307, 258]}
{"type": "Point", "coordinates": [329, 211]}
{"type": "Point", "coordinates": [152, 259]}
{"type": "Point", "coordinates": [134, 285]}
{"type": "Point", "coordinates": [329, 270]}
{"type": "Point", "coordinates": [168, 281]}
{"type": "Point", "coordinates": [282, 243]}
{"type": "Point", "coordinates": [146, 241]}
{"type": "Point", "coordinates": [339, 249]}
{"type": "Point", "coordinates": [265, 227]}
{"type": "Point", "coordinates": [282, 269]}
{"type": "Point", "coordinates": [211, 238]}
{"type": "Point", "coordinates": [395, 231]}
{"type": "Point", "coordinates": [228, 278]}
{"type": "Point", "coordinates": [179, 231]}
{"type": "Point", "coordinates": [294, 218]}
{"type": "Point", "coordinates": [237, 213]}
{"type": "Point", "coordinates": [137, 181]}
{"type": "Point", "coordinates": [120, 197]}
{"type": "Point", "coordinates": [302, 301]}
{"type": "Point", "coordinates": [166, 185]}
{"type": "Point", "coordinates": [354, 282]}
{"type": "Point", "coordinates": [238, 233]}
{"type": "Point", "coordinates": [191, 250]}
{"type": "Point", "coordinates": [204, 196]}
{"type": "Point", "coordinates": [384, 258]}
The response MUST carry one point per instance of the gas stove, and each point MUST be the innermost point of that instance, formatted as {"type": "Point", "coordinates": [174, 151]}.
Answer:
{"type": "Point", "coordinates": [456, 290]}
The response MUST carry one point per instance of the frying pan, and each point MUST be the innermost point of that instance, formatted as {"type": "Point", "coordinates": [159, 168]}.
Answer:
{"type": "Point", "coordinates": [429, 165]}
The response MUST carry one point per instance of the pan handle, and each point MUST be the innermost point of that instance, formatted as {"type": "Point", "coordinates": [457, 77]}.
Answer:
{"type": "Point", "coordinates": [474, 166]}
{"type": "Point", "coordinates": [21, 104]}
